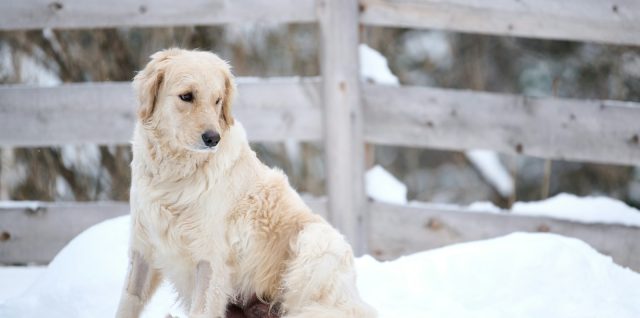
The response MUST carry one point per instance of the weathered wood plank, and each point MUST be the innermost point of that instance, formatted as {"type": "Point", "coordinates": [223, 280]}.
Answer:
{"type": "Point", "coordinates": [278, 109]}
{"type": "Point", "coordinates": [68, 114]}
{"type": "Point", "coordinates": [556, 128]}
{"type": "Point", "coordinates": [60, 14]}
{"type": "Point", "coordinates": [270, 110]}
{"type": "Point", "coordinates": [34, 232]}
{"type": "Point", "coordinates": [597, 131]}
{"type": "Point", "coordinates": [608, 21]}
{"type": "Point", "coordinates": [401, 230]}
{"type": "Point", "coordinates": [344, 149]}
{"type": "Point", "coordinates": [317, 204]}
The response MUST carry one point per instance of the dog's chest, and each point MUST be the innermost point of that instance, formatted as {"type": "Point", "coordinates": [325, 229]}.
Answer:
{"type": "Point", "coordinates": [184, 219]}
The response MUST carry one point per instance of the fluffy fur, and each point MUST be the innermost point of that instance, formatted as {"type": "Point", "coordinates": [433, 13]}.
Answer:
{"type": "Point", "coordinates": [216, 222]}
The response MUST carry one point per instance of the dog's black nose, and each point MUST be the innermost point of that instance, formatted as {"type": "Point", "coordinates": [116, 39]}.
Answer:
{"type": "Point", "coordinates": [210, 138]}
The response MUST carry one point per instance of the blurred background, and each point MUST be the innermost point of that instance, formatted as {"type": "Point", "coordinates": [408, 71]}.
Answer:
{"type": "Point", "coordinates": [416, 57]}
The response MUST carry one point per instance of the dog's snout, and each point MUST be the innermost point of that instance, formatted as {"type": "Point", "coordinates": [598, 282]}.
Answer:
{"type": "Point", "coordinates": [210, 138]}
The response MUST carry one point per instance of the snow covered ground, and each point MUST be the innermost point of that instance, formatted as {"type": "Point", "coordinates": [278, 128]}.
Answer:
{"type": "Point", "coordinates": [16, 280]}
{"type": "Point", "coordinates": [519, 275]}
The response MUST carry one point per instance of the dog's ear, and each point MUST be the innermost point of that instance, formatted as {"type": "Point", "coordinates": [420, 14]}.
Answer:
{"type": "Point", "coordinates": [147, 82]}
{"type": "Point", "coordinates": [229, 94]}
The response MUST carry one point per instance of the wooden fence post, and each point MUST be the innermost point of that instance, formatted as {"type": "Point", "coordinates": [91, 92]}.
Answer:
{"type": "Point", "coordinates": [343, 137]}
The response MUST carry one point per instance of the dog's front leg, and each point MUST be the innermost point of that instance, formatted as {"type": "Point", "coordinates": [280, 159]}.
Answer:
{"type": "Point", "coordinates": [141, 282]}
{"type": "Point", "coordinates": [211, 292]}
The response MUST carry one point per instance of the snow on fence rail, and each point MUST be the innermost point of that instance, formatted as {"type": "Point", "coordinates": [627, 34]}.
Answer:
{"type": "Point", "coordinates": [602, 131]}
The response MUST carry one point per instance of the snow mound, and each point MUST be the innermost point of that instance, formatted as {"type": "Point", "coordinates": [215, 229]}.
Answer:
{"type": "Point", "coordinates": [16, 279]}
{"type": "Point", "coordinates": [519, 275]}
{"type": "Point", "coordinates": [85, 278]}
{"type": "Point", "coordinates": [374, 67]}
{"type": "Point", "coordinates": [384, 187]}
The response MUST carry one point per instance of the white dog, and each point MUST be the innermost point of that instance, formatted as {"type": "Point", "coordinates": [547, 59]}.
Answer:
{"type": "Point", "coordinates": [213, 220]}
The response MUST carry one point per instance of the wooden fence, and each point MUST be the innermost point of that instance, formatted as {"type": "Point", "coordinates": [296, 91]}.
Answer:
{"type": "Point", "coordinates": [343, 112]}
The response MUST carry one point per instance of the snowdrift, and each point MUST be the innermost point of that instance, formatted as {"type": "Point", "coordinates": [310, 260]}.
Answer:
{"type": "Point", "coordinates": [519, 275]}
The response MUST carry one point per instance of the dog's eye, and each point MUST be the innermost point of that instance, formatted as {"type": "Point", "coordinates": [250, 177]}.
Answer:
{"type": "Point", "coordinates": [188, 97]}
{"type": "Point", "coordinates": [218, 100]}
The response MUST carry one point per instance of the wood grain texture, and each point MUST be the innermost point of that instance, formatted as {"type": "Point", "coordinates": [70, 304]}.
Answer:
{"type": "Point", "coordinates": [63, 14]}
{"type": "Point", "coordinates": [69, 114]}
{"type": "Point", "coordinates": [280, 109]}
{"type": "Point", "coordinates": [555, 128]}
{"type": "Point", "coordinates": [607, 21]}
{"type": "Point", "coordinates": [35, 233]}
{"type": "Point", "coordinates": [344, 148]}
{"type": "Point", "coordinates": [402, 230]}
{"type": "Point", "coordinates": [103, 113]}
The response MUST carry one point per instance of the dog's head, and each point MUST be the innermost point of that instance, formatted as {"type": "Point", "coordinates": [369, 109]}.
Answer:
{"type": "Point", "coordinates": [185, 98]}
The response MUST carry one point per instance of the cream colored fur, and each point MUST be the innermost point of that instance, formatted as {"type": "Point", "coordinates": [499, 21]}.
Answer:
{"type": "Point", "coordinates": [217, 223]}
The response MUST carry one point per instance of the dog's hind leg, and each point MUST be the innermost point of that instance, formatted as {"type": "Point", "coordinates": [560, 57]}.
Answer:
{"type": "Point", "coordinates": [140, 284]}
{"type": "Point", "coordinates": [321, 280]}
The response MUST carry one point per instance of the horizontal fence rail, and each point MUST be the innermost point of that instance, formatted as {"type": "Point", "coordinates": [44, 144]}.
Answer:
{"type": "Point", "coordinates": [607, 21]}
{"type": "Point", "coordinates": [401, 230]}
{"type": "Point", "coordinates": [281, 109]}
{"type": "Point", "coordinates": [555, 128]}
{"type": "Point", "coordinates": [604, 21]}
{"type": "Point", "coordinates": [37, 231]}
{"type": "Point", "coordinates": [65, 14]}
{"type": "Point", "coordinates": [104, 113]}
{"type": "Point", "coordinates": [34, 232]}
